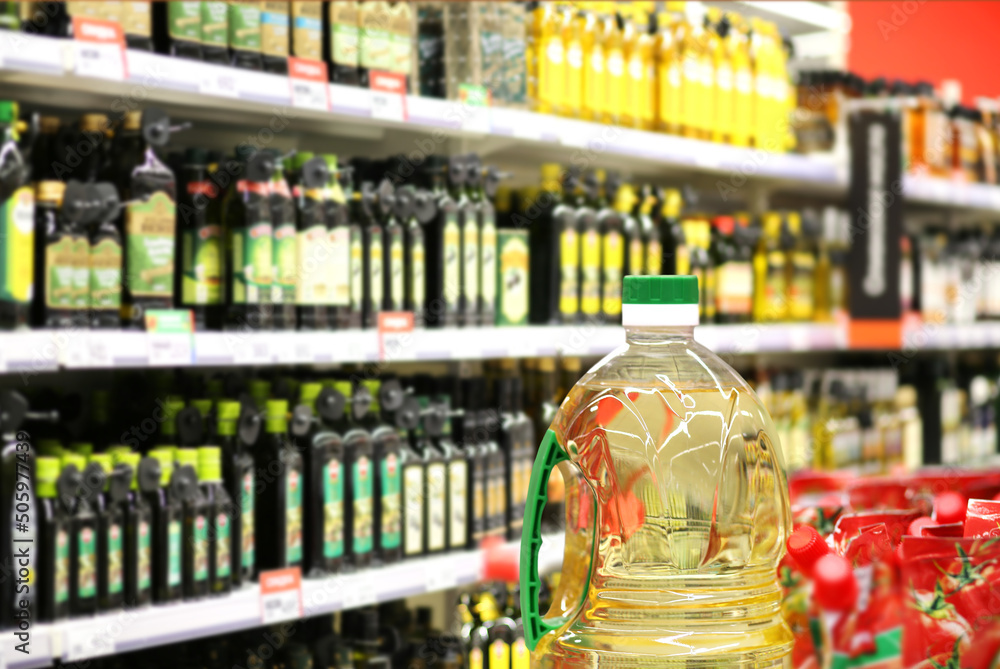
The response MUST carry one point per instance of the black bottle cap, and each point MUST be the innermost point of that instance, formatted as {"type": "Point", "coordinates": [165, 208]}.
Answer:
{"type": "Point", "coordinates": [386, 197]}
{"type": "Point", "coordinates": [517, 393]}
{"type": "Point", "coordinates": [155, 126]}
{"type": "Point", "coordinates": [390, 394]}
{"type": "Point", "coordinates": [424, 206]}
{"type": "Point", "coordinates": [190, 426]}
{"type": "Point", "coordinates": [249, 424]}
{"type": "Point", "coordinates": [76, 205]}
{"type": "Point", "coordinates": [119, 483]}
{"type": "Point", "coordinates": [473, 170]}
{"type": "Point", "coordinates": [68, 485]}
{"type": "Point", "coordinates": [315, 173]}
{"type": "Point", "coordinates": [108, 202]}
{"type": "Point", "coordinates": [330, 405]}
{"type": "Point", "coordinates": [408, 414]}
{"type": "Point", "coordinates": [456, 170]}
{"type": "Point", "coordinates": [149, 474]}
{"type": "Point", "coordinates": [361, 402]}
{"type": "Point", "coordinates": [13, 410]}
{"type": "Point", "coordinates": [435, 418]}
{"type": "Point", "coordinates": [260, 167]}
{"type": "Point", "coordinates": [612, 182]}
{"type": "Point", "coordinates": [302, 420]}
{"type": "Point", "coordinates": [184, 483]}
{"type": "Point", "coordinates": [404, 202]}
{"type": "Point", "coordinates": [93, 481]}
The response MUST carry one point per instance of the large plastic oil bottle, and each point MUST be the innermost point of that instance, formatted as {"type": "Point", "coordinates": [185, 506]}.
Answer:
{"type": "Point", "coordinates": [677, 505]}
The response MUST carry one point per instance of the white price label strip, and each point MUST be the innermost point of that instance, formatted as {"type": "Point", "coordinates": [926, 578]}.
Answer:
{"type": "Point", "coordinates": [103, 61]}
{"type": "Point", "coordinates": [169, 350]}
{"type": "Point", "coordinates": [84, 641]}
{"type": "Point", "coordinates": [251, 349]}
{"type": "Point", "coordinates": [359, 592]}
{"type": "Point", "coordinates": [388, 91]}
{"type": "Point", "coordinates": [308, 82]}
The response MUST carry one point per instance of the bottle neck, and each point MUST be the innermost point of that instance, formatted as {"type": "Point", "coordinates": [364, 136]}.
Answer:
{"type": "Point", "coordinates": [648, 335]}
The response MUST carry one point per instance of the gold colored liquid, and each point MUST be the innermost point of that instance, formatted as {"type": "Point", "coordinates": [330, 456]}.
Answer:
{"type": "Point", "coordinates": [691, 511]}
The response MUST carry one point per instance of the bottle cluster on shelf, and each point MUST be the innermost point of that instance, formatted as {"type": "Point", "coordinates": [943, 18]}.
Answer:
{"type": "Point", "coordinates": [169, 499]}
{"type": "Point", "coordinates": [956, 272]}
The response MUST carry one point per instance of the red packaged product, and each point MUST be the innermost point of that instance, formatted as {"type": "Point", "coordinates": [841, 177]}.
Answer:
{"type": "Point", "coordinates": [808, 487]}
{"type": "Point", "coordinates": [945, 530]}
{"type": "Point", "coordinates": [849, 525]}
{"type": "Point", "coordinates": [949, 507]}
{"type": "Point", "coordinates": [982, 519]}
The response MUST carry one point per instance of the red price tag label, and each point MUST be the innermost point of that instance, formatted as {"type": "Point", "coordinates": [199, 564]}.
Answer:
{"type": "Point", "coordinates": [394, 330]}
{"type": "Point", "coordinates": [99, 48]}
{"type": "Point", "coordinates": [388, 91]}
{"type": "Point", "coordinates": [280, 595]}
{"type": "Point", "coordinates": [309, 84]}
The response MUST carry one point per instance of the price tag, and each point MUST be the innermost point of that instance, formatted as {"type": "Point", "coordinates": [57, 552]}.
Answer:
{"type": "Point", "coordinates": [359, 592]}
{"type": "Point", "coordinates": [99, 49]}
{"type": "Point", "coordinates": [308, 82]}
{"type": "Point", "coordinates": [280, 595]}
{"type": "Point", "coordinates": [388, 91]}
{"type": "Point", "coordinates": [395, 330]}
{"type": "Point", "coordinates": [84, 641]}
{"type": "Point", "coordinates": [169, 350]}
{"type": "Point", "coordinates": [475, 109]}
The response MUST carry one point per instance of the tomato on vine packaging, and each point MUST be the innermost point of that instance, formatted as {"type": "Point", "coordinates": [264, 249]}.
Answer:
{"type": "Point", "coordinates": [952, 602]}
{"type": "Point", "coordinates": [982, 518]}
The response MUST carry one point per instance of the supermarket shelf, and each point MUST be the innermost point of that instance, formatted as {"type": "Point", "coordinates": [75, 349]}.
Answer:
{"type": "Point", "coordinates": [125, 631]}
{"type": "Point", "coordinates": [948, 336]}
{"type": "Point", "coordinates": [43, 70]}
{"type": "Point", "coordinates": [945, 193]}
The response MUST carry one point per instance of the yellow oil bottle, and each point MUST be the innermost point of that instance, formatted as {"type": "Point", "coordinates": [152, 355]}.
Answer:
{"type": "Point", "coordinates": [614, 65]}
{"type": "Point", "coordinates": [551, 62]}
{"type": "Point", "coordinates": [668, 73]}
{"type": "Point", "coordinates": [694, 64]}
{"type": "Point", "coordinates": [711, 46]}
{"type": "Point", "coordinates": [743, 101]}
{"type": "Point", "coordinates": [594, 83]}
{"type": "Point", "coordinates": [800, 271]}
{"type": "Point", "coordinates": [572, 30]}
{"type": "Point", "coordinates": [722, 63]}
{"type": "Point", "coordinates": [770, 302]}
{"type": "Point", "coordinates": [648, 98]}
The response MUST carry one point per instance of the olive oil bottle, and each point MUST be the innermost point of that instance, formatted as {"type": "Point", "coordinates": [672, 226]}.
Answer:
{"type": "Point", "coordinates": [196, 539]}
{"type": "Point", "coordinates": [279, 518]}
{"type": "Point", "coordinates": [284, 248]}
{"type": "Point", "coordinates": [458, 176]}
{"type": "Point", "coordinates": [145, 478]}
{"type": "Point", "coordinates": [244, 34]}
{"type": "Point", "coordinates": [220, 512]}
{"type": "Point", "coordinates": [466, 426]}
{"type": "Point", "coordinates": [17, 216]}
{"type": "Point", "coordinates": [48, 200]}
{"type": "Point", "coordinates": [109, 490]}
{"type": "Point", "coordinates": [275, 37]}
{"type": "Point", "coordinates": [105, 266]}
{"type": "Point", "coordinates": [215, 32]}
{"type": "Point", "coordinates": [64, 256]}
{"type": "Point", "coordinates": [395, 248]}
{"type": "Point", "coordinates": [359, 471]}
{"type": "Point", "coordinates": [415, 504]}
{"type": "Point", "coordinates": [438, 428]}
{"type": "Point", "coordinates": [82, 537]}
{"type": "Point", "coordinates": [386, 398]}
{"type": "Point", "coordinates": [178, 28]}
{"type": "Point", "coordinates": [587, 202]}
{"type": "Point", "coordinates": [341, 29]}
{"type": "Point", "coordinates": [54, 542]}
{"type": "Point", "coordinates": [613, 223]}
{"type": "Point", "coordinates": [483, 184]}
{"type": "Point", "coordinates": [342, 235]}
{"type": "Point", "coordinates": [168, 517]}
{"type": "Point", "coordinates": [491, 640]}
{"type": "Point", "coordinates": [769, 269]}
{"type": "Point", "coordinates": [249, 242]}
{"type": "Point", "coordinates": [307, 30]}
{"type": "Point", "coordinates": [198, 283]}
{"type": "Point", "coordinates": [310, 177]}
{"type": "Point", "coordinates": [436, 461]}
{"type": "Point", "coordinates": [444, 248]}
{"type": "Point", "coordinates": [555, 257]}
{"type": "Point", "coordinates": [416, 208]}
{"type": "Point", "coordinates": [237, 428]}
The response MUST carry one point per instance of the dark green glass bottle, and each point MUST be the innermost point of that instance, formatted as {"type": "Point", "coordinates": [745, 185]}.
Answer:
{"type": "Point", "coordinates": [279, 513]}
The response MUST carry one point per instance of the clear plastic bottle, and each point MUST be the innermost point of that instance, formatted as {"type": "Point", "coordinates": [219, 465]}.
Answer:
{"type": "Point", "coordinates": [676, 505]}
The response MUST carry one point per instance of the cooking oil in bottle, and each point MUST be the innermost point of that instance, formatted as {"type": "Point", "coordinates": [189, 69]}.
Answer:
{"type": "Point", "coordinates": [668, 73]}
{"type": "Point", "coordinates": [770, 302]}
{"type": "Point", "coordinates": [572, 30]}
{"type": "Point", "coordinates": [681, 505]}
{"type": "Point", "coordinates": [546, 38]}
{"type": "Point", "coordinates": [739, 50]}
{"type": "Point", "coordinates": [614, 66]}
{"type": "Point", "coordinates": [593, 64]}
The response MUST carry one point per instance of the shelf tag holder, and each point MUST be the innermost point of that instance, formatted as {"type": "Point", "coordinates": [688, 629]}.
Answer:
{"type": "Point", "coordinates": [309, 85]}
{"type": "Point", "coordinates": [99, 49]}
{"type": "Point", "coordinates": [280, 595]}
{"type": "Point", "coordinates": [388, 90]}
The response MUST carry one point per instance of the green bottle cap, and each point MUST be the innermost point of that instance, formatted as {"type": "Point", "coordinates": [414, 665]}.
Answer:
{"type": "Point", "coordinates": [209, 464]}
{"type": "Point", "coordinates": [8, 111]}
{"type": "Point", "coordinates": [132, 460]}
{"type": "Point", "coordinates": [660, 290]}
{"type": "Point", "coordinates": [277, 416]}
{"type": "Point", "coordinates": [204, 407]}
{"type": "Point", "coordinates": [104, 460]}
{"type": "Point", "coordinates": [171, 408]}
{"type": "Point", "coordinates": [46, 473]}
{"type": "Point", "coordinates": [116, 452]}
{"type": "Point", "coordinates": [228, 413]}
{"type": "Point", "coordinates": [74, 459]}
{"type": "Point", "coordinates": [260, 391]}
{"type": "Point", "coordinates": [50, 447]}
{"type": "Point", "coordinates": [83, 448]}
{"type": "Point", "coordinates": [186, 456]}
{"type": "Point", "coordinates": [299, 159]}
{"type": "Point", "coordinates": [165, 456]}
{"type": "Point", "coordinates": [331, 161]}
{"type": "Point", "coordinates": [308, 392]}
{"type": "Point", "coordinates": [342, 386]}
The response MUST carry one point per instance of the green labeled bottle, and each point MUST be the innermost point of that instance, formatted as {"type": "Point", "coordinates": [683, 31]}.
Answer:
{"type": "Point", "coordinates": [323, 459]}
{"type": "Point", "coordinates": [147, 223]}
{"type": "Point", "coordinates": [359, 479]}
{"type": "Point", "coordinates": [145, 480]}
{"type": "Point", "coordinates": [215, 32]}
{"type": "Point", "coordinates": [105, 271]}
{"type": "Point", "coordinates": [108, 490]}
{"type": "Point", "coordinates": [221, 511]}
{"type": "Point", "coordinates": [53, 541]}
{"type": "Point", "coordinates": [168, 518]}
{"type": "Point", "coordinates": [284, 250]}
{"type": "Point", "coordinates": [310, 177]}
{"type": "Point", "coordinates": [343, 296]}
{"type": "Point", "coordinates": [244, 34]}
{"type": "Point", "coordinates": [238, 428]}
{"type": "Point", "coordinates": [274, 36]}
{"type": "Point", "coordinates": [177, 28]}
{"type": "Point", "coordinates": [196, 536]}
{"type": "Point", "coordinates": [279, 518]}
{"type": "Point", "coordinates": [307, 30]}
{"type": "Point", "coordinates": [17, 225]}
{"type": "Point", "coordinates": [198, 283]}
{"type": "Point", "coordinates": [249, 240]}
{"type": "Point", "coordinates": [82, 538]}
{"type": "Point", "coordinates": [386, 398]}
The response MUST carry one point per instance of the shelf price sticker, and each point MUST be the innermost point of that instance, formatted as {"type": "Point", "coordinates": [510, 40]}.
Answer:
{"type": "Point", "coordinates": [395, 335]}
{"type": "Point", "coordinates": [388, 91]}
{"type": "Point", "coordinates": [280, 595]}
{"type": "Point", "coordinates": [169, 335]}
{"type": "Point", "coordinates": [309, 85]}
{"type": "Point", "coordinates": [475, 109]}
{"type": "Point", "coordinates": [99, 49]}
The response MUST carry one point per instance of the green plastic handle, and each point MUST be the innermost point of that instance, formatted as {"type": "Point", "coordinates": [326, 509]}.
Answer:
{"type": "Point", "coordinates": [550, 453]}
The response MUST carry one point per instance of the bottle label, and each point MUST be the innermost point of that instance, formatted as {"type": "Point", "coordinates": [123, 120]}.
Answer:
{"type": "Point", "coordinates": [357, 267]}
{"type": "Point", "coordinates": [293, 517]}
{"type": "Point", "coordinates": [654, 257]}
{"type": "Point", "coordinates": [457, 473]}
{"type": "Point", "coordinates": [200, 538]}
{"type": "Point", "coordinates": [470, 284]}
{"type": "Point", "coordinates": [774, 286]}
{"type": "Point", "coordinates": [60, 273]}
{"type": "Point", "coordinates": [252, 257]}
{"type": "Point", "coordinates": [244, 26]}
{"type": "Point", "coordinates": [437, 490]}
{"type": "Point", "coordinates": [391, 520]}
{"type": "Point", "coordinates": [452, 262]}
{"type": "Point", "coordinates": [520, 658]}
{"type": "Point", "coordinates": [274, 28]}
{"type": "Point", "coordinates": [339, 264]}
{"type": "Point", "coordinates": [397, 270]}
{"type": "Point", "coordinates": [616, 63]}
{"type": "Point", "coordinates": [590, 266]}
{"type": "Point", "coordinates": [184, 19]}
{"type": "Point", "coordinates": [800, 299]}
{"type": "Point", "coordinates": [312, 266]}
{"type": "Point", "coordinates": [135, 18]}
{"type": "Point", "coordinates": [479, 501]}
{"type": "Point", "coordinates": [62, 566]}
{"type": "Point", "coordinates": [363, 512]}
{"type": "Point", "coordinates": [344, 36]}
{"type": "Point", "coordinates": [214, 23]}
{"type": "Point", "coordinates": [475, 659]}
{"type": "Point", "coordinates": [374, 40]}
{"type": "Point", "coordinates": [81, 273]}
{"type": "Point", "coordinates": [144, 568]}
{"type": "Point", "coordinates": [106, 275]}
{"type": "Point", "coordinates": [376, 276]}
{"type": "Point", "coordinates": [418, 275]}
{"type": "Point", "coordinates": [116, 579]}
{"type": "Point", "coordinates": [247, 537]}
{"type": "Point", "coordinates": [285, 264]}
{"type": "Point", "coordinates": [635, 256]}
{"type": "Point", "coordinates": [307, 30]}
{"type": "Point", "coordinates": [488, 263]}
{"type": "Point", "coordinates": [499, 654]}
{"type": "Point", "coordinates": [200, 250]}
{"type": "Point", "coordinates": [149, 231]}
{"type": "Point", "coordinates": [17, 256]}
{"type": "Point", "coordinates": [333, 510]}
{"type": "Point", "coordinates": [514, 281]}
{"type": "Point", "coordinates": [173, 553]}
{"type": "Point", "coordinates": [86, 547]}
{"type": "Point", "coordinates": [734, 293]}
{"type": "Point", "coordinates": [708, 295]}
{"type": "Point", "coordinates": [682, 262]}
{"type": "Point", "coordinates": [413, 480]}
{"type": "Point", "coordinates": [614, 263]}
{"type": "Point", "coordinates": [569, 258]}
{"type": "Point", "coordinates": [222, 539]}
